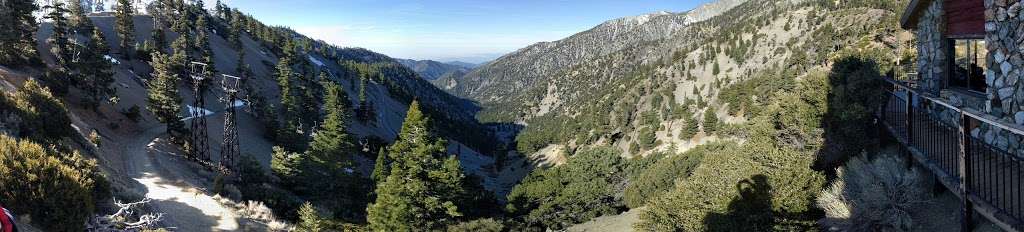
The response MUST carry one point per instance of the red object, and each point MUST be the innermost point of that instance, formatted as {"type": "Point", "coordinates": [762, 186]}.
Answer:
{"type": "Point", "coordinates": [6, 222]}
{"type": "Point", "coordinates": [965, 18]}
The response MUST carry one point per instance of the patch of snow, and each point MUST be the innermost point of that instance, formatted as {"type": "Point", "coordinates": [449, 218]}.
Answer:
{"type": "Point", "coordinates": [315, 61]}
{"type": "Point", "coordinates": [111, 59]}
{"type": "Point", "coordinates": [238, 103]}
{"type": "Point", "coordinates": [194, 110]}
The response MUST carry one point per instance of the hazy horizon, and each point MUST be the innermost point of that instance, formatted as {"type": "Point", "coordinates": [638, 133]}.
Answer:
{"type": "Point", "coordinates": [449, 30]}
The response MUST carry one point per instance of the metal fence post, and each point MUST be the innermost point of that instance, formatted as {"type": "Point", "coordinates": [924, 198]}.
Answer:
{"type": "Point", "coordinates": [909, 119]}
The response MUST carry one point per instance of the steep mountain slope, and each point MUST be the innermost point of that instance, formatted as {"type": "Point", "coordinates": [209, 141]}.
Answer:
{"type": "Point", "coordinates": [140, 161]}
{"type": "Point", "coordinates": [775, 82]}
{"type": "Point", "coordinates": [527, 67]}
{"type": "Point", "coordinates": [641, 97]}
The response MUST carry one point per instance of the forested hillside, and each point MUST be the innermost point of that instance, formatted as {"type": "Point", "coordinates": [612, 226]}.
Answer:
{"type": "Point", "coordinates": [733, 116]}
{"type": "Point", "coordinates": [113, 85]}
{"type": "Point", "coordinates": [779, 91]}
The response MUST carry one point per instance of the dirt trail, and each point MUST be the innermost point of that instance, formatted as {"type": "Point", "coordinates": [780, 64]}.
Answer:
{"type": "Point", "coordinates": [172, 188]}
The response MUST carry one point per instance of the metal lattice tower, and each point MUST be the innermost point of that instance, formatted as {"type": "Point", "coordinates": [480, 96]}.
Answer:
{"type": "Point", "coordinates": [200, 149]}
{"type": "Point", "coordinates": [229, 148]}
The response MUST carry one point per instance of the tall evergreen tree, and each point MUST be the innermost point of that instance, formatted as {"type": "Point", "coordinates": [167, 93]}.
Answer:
{"type": "Point", "coordinates": [235, 31]}
{"type": "Point", "coordinates": [219, 9]}
{"type": "Point", "coordinates": [710, 120]}
{"type": "Point", "coordinates": [78, 20]}
{"type": "Point", "coordinates": [289, 135]}
{"type": "Point", "coordinates": [17, 31]}
{"type": "Point", "coordinates": [424, 183]}
{"type": "Point", "coordinates": [163, 99]}
{"type": "Point", "coordinates": [125, 27]}
{"type": "Point", "coordinates": [60, 41]}
{"type": "Point", "coordinates": [96, 70]}
{"type": "Point", "coordinates": [332, 143]}
{"type": "Point", "coordinates": [309, 219]}
{"type": "Point", "coordinates": [202, 41]}
{"type": "Point", "coordinates": [180, 58]}
{"type": "Point", "coordinates": [159, 37]}
{"type": "Point", "coordinates": [381, 168]}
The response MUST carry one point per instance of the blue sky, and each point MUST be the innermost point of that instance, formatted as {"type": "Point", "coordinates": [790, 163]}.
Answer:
{"type": "Point", "coordinates": [447, 29]}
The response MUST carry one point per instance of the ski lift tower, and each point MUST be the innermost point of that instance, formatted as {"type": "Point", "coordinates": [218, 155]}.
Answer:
{"type": "Point", "coordinates": [200, 146]}
{"type": "Point", "coordinates": [229, 148]}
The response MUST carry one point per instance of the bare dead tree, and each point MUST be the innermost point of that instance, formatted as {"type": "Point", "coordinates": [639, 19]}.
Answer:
{"type": "Point", "coordinates": [119, 221]}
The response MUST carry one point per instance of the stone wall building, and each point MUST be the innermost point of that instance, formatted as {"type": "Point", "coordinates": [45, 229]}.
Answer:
{"type": "Point", "coordinates": [970, 54]}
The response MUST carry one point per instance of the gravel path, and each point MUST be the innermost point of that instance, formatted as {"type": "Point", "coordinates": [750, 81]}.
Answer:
{"type": "Point", "coordinates": [172, 188]}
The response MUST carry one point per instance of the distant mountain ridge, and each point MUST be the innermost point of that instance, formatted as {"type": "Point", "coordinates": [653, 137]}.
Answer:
{"type": "Point", "coordinates": [432, 70]}
{"type": "Point", "coordinates": [524, 68]}
{"type": "Point", "coordinates": [463, 64]}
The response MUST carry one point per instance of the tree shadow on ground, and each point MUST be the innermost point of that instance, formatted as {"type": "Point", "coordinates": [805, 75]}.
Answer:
{"type": "Point", "coordinates": [849, 121]}
{"type": "Point", "coordinates": [750, 211]}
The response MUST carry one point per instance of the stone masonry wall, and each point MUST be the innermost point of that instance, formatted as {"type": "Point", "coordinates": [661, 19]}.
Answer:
{"type": "Point", "coordinates": [931, 60]}
{"type": "Point", "coordinates": [1004, 37]}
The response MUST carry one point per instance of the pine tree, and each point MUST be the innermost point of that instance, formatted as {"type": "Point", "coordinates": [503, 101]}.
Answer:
{"type": "Point", "coordinates": [422, 188]}
{"type": "Point", "coordinates": [309, 219]}
{"type": "Point", "coordinates": [219, 9]}
{"type": "Point", "coordinates": [202, 41]}
{"type": "Point", "coordinates": [288, 135]}
{"type": "Point", "coordinates": [235, 32]}
{"type": "Point", "coordinates": [240, 66]}
{"type": "Point", "coordinates": [159, 38]}
{"type": "Point", "coordinates": [17, 31]}
{"type": "Point", "coordinates": [96, 70]}
{"type": "Point", "coordinates": [715, 69]}
{"type": "Point", "coordinates": [125, 27]}
{"type": "Point", "coordinates": [284, 164]}
{"type": "Point", "coordinates": [690, 130]}
{"type": "Point", "coordinates": [78, 20]}
{"type": "Point", "coordinates": [332, 143]}
{"type": "Point", "coordinates": [60, 41]}
{"type": "Point", "coordinates": [180, 56]}
{"type": "Point", "coordinates": [710, 121]}
{"type": "Point", "coordinates": [163, 99]}
{"type": "Point", "coordinates": [381, 168]}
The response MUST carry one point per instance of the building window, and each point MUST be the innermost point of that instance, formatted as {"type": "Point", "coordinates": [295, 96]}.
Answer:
{"type": "Point", "coordinates": [969, 65]}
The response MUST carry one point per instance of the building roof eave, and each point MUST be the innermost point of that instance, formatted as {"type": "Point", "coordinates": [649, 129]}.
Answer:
{"type": "Point", "coordinates": [910, 15]}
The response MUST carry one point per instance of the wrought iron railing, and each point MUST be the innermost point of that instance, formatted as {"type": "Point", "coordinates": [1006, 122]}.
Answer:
{"type": "Point", "coordinates": [986, 177]}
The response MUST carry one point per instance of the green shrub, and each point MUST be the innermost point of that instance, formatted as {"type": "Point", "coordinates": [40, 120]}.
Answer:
{"type": "Point", "coordinates": [57, 190]}
{"type": "Point", "coordinates": [753, 187]}
{"type": "Point", "coordinates": [480, 225]}
{"type": "Point", "coordinates": [662, 175]}
{"type": "Point", "coordinates": [575, 192]}
{"type": "Point", "coordinates": [44, 116]}
{"type": "Point", "coordinates": [647, 138]}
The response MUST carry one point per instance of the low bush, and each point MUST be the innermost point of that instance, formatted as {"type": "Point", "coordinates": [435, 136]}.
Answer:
{"type": "Point", "coordinates": [572, 193]}
{"type": "Point", "coordinates": [59, 191]}
{"type": "Point", "coordinates": [43, 116]}
{"type": "Point", "coordinates": [738, 190]}
{"type": "Point", "coordinates": [662, 175]}
{"type": "Point", "coordinates": [878, 194]}
{"type": "Point", "coordinates": [481, 225]}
